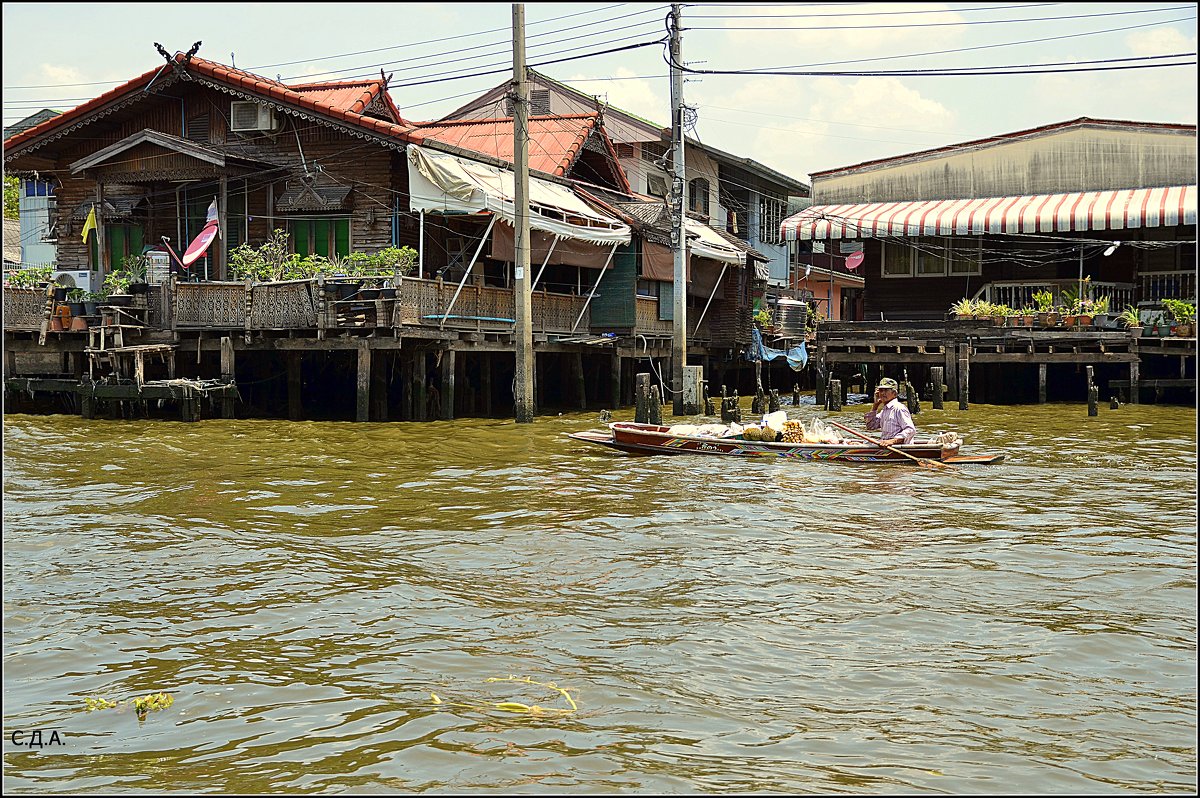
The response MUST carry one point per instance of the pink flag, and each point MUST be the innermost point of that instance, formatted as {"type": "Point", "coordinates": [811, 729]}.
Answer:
{"type": "Point", "coordinates": [200, 243]}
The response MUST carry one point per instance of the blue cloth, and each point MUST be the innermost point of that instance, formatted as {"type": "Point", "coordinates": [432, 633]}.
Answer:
{"type": "Point", "coordinates": [797, 356]}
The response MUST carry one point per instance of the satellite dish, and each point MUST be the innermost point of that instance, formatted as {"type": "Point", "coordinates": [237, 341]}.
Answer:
{"type": "Point", "coordinates": [854, 260]}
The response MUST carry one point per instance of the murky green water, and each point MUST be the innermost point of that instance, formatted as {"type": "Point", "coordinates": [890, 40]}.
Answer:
{"type": "Point", "coordinates": [302, 588]}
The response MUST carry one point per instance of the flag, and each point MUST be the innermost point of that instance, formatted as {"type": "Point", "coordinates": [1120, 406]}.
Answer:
{"type": "Point", "coordinates": [90, 223]}
{"type": "Point", "coordinates": [200, 243]}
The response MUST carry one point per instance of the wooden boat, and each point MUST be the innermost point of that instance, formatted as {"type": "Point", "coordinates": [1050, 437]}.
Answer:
{"type": "Point", "coordinates": [644, 439]}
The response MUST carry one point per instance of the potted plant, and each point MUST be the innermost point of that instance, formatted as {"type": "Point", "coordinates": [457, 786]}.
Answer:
{"type": "Point", "coordinates": [1183, 314]}
{"type": "Point", "coordinates": [1028, 316]}
{"type": "Point", "coordinates": [135, 268]}
{"type": "Point", "coordinates": [75, 301]}
{"type": "Point", "coordinates": [116, 289]}
{"type": "Point", "coordinates": [1131, 320]}
{"type": "Point", "coordinates": [90, 300]}
{"type": "Point", "coordinates": [963, 309]}
{"type": "Point", "coordinates": [1046, 313]}
{"type": "Point", "coordinates": [1100, 315]}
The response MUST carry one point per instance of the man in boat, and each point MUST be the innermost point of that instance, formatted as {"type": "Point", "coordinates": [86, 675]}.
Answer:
{"type": "Point", "coordinates": [889, 415]}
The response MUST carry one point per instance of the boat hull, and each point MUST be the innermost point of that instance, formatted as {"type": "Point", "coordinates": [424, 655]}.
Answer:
{"type": "Point", "coordinates": [650, 439]}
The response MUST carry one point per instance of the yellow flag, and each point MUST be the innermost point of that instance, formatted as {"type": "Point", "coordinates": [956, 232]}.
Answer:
{"type": "Point", "coordinates": [90, 223]}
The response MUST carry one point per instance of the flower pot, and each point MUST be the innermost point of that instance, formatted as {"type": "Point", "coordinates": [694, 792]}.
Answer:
{"type": "Point", "coordinates": [89, 308]}
{"type": "Point", "coordinates": [79, 324]}
{"type": "Point", "coordinates": [1048, 318]}
{"type": "Point", "coordinates": [1134, 332]}
{"type": "Point", "coordinates": [119, 300]}
{"type": "Point", "coordinates": [56, 324]}
{"type": "Point", "coordinates": [1028, 321]}
{"type": "Point", "coordinates": [76, 308]}
{"type": "Point", "coordinates": [1083, 320]}
{"type": "Point", "coordinates": [60, 293]}
{"type": "Point", "coordinates": [1103, 321]}
{"type": "Point", "coordinates": [138, 288]}
{"type": "Point", "coordinates": [368, 294]}
{"type": "Point", "coordinates": [1182, 330]}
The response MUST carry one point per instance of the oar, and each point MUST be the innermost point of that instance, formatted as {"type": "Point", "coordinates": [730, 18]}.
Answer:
{"type": "Point", "coordinates": [925, 462]}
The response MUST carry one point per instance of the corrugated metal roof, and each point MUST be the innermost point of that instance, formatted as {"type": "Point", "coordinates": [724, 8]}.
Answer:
{"type": "Point", "coordinates": [1035, 213]}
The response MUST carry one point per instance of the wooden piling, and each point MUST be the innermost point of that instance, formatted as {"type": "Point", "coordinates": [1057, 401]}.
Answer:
{"type": "Point", "coordinates": [1093, 398]}
{"type": "Point", "coordinates": [1041, 383]}
{"type": "Point", "coordinates": [449, 372]}
{"type": "Point", "coordinates": [820, 391]}
{"type": "Point", "coordinates": [580, 382]}
{"type": "Point", "coordinates": [655, 405]}
{"type": "Point", "coordinates": [964, 374]}
{"type": "Point", "coordinates": [641, 413]}
{"type": "Point", "coordinates": [420, 383]}
{"type": "Point", "coordinates": [835, 394]}
{"type": "Point", "coordinates": [614, 382]}
{"type": "Point", "coordinates": [363, 408]}
{"type": "Point", "coordinates": [795, 394]}
{"type": "Point", "coordinates": [773, 401]}
{"type": "Point", "coordinates": [1114, 403]}
{"type": "Point", "coordinates": [936, 374]}
{"type": "Point", "coordinates": [228, 372]}
{"type": "Point", "coordinates": [1133, 383]}
{"type": "Point", "coordinates": [295, 401]}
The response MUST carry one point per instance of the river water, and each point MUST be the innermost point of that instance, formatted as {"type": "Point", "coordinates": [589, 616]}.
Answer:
{"type": "Point", "coordinates": [303, 589]}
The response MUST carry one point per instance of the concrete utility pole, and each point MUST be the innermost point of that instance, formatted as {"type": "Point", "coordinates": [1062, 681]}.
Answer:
{"type": "Point", "coordinates": [678, 238]}
{"type": "Point", "coordinates": [523, 378]}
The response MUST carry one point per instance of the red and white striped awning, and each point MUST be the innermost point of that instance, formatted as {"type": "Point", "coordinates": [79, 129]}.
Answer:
{"type": "Point", "coordinates": [1040, 213]}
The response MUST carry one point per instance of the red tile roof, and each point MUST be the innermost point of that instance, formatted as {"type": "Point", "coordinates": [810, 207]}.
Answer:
{"type": "Point", "coordinates": [555, 142]}
{"type": "Point", "coordinates": [323, 99]}
{"type": "Point", "coordinates": [351, 95]}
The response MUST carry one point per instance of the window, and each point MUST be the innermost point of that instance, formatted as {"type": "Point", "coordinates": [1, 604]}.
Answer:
{"type": "Point", "coordinates": [698, 196]}
{"type": "Point", "coordinates": [929, 257]}
{"type": "Point", "coordinates": [325, 237]}
{"type": "Point", "coordinates": [122, 240]}
{"type": "Point", "coordinates": [897, 260]}
{"type": "Point", "coordinates": [38, 188]}
{"type": "Point", "coordinates": [966, 256]}
{"type": "Point", "coordinates": [647, 288]}
{"type": "Point", "coordinates": [656, 185]}
{"type": "Point", "coordinates": [653, 150]}
{"type": "Point", "coordinates": [770, 217]}
{"type": "Point", "coordinates": [539, 103]}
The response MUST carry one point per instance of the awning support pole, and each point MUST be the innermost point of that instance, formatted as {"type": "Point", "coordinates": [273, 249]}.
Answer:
{"type": "Point", "coordinates": [553, 244]}
{"type": "Point", "coordinates": [612, 252]}
{"type": "Point", "coordinates": [467, 273]}
{"type": "Point", "coordinates": [717, 285]}
{"type": "Point", "coordinates": [421, 248]}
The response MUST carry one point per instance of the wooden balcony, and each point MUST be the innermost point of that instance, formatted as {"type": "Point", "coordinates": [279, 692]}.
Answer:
{"type": "Point", "coordinates": [1154, 287]}
{"type": "Point", "coordinates": [1019, 293]}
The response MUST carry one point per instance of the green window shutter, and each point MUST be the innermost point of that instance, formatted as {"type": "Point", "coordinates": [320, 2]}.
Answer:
{"type": "Point", "coordinates": [136, 236]}
{"type": "Point", "coordinates": [300, 234]}
{"type": "Point", "coordinates": [342, 234]}
{"type": "Point", "coordinates": [321, 237]}
{"type": "Point", "coordinates": [666, 301]}
{"type": "Point", "coordinates": [115, 235]}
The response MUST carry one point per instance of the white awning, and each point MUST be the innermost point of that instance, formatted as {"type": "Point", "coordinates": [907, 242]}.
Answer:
{"type": "Point", "coordinates": [444, 183]}
{"type": "Point", "coordinates": [1076, 211]}
{"type": "Point", "coordinates": [705, 242]}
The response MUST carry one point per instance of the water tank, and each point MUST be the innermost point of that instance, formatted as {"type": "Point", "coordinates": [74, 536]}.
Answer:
{"type": "Point", "coordinates": [791, 316]}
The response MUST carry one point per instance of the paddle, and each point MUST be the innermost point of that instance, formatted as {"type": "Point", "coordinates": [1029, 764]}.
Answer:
{"type": "Point", "coordinates": [924, 462]}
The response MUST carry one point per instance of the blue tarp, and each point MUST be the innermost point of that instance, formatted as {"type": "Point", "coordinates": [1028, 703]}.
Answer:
{"type": "Point", "coordinates": [797, 356]}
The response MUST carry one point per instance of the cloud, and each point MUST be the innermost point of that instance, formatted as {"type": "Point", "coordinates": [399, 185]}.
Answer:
{"type": "Point", "coordinates": [1161, 41]}
{"type": "Point", "coordinates": [53, 73]}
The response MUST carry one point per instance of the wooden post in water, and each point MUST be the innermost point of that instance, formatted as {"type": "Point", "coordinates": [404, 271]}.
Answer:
{"type": "Point", "coordinates": [1114, 404]}
{"type": "Point", "coordinates": [835, 394]}
{"type": "Point", "coordinates": [363, 408]}
{"type": "Point", "coordinates": [614, 382]}
{"type": "Point", "coordinates": [773, 400]}
{"type": "Point", "coordinates": [449, 372]}
{"type": "Point", "coordinates": [693, 389]}
{"type": "Point", "coordinates": [1133, 382]}
{"type": "Point", "coordinates": [951, 373]}
{"type": "Point", "coordinates": [1041, 383]}
{"type": "Point", "coordinates": [295, 403]}
{"type": "Point", "coordinates": [228, 370]}
{"type": "Point", "coordinates": [379, 386]}
{"type": "Point", "coordinates": [580, 382]}
{"type": "Point", "coordinates": [964, 375]}
{"type": "Point", "coordinates": [820, 390]}
{"type": "Point", "coordinates": [641, 413]}
{"type": "Point", "coordinates": [795, 394]}
{"type": "Point", "coordinates": [485, 377]}
{"type": "Point", "coordinates": [1093, 393]}
{"type": "Point", "coordinates": [655, 405]}
{"type": "Point", "coordinates": [420, 382]}
{"type": "Point", "coordinates": [936, 374]}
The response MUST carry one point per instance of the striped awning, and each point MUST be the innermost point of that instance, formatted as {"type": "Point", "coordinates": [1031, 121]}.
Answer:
{"type": "Point", "coordinates": [1038, 213]}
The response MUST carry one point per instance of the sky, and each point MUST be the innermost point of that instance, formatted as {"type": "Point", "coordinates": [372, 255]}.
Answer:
{"type": "Point", "coordinates": [441, 55]}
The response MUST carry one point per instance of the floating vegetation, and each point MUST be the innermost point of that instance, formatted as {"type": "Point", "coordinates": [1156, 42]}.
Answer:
{"type": "Point", "coordinates": [142, 705]}
{"type": "Point", "coordinates": [515, 706]}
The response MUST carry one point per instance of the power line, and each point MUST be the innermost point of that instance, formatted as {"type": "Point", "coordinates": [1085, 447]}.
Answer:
{"type": "Point", "coordinates": [860, 13]}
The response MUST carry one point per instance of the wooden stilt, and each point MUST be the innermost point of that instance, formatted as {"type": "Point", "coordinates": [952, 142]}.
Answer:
{"type": "Point", "coordinates": [641, 412]}
{"type": "Point", "coordinates": [835, 394]}
{"type": "Point", "coordinates": [580, 382]}
{"type": "Point", "coordinates": [379, 389]}
{"type": "Point", "coordinates": [363, 406]}
{"type": "Point", "coordinates": [420, 383]}
{"type": "Point", "coordinates": [1133, 382]}
{"type": "Point", "coordinates": [449, 371]}
{"type": "Point", "coordinates": [294, 386]}
{"type": "Point", "coordinates": [936, 374]}
{"type": "Point", "coordinates": [614, 382]}
{"type": "Point", "coordinates": [1041, 383]}
{"type": "Point", "coordinates": [485, 368]}
{"type": "Point", "coordinates": [964, 372]}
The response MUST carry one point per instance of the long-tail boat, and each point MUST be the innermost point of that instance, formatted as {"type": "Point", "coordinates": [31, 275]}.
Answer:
{"type": "Point", "coordinates": [645, 439]}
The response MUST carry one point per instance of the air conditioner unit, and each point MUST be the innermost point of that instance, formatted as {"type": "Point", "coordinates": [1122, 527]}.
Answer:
{"type": "Point", "coordinates": [250, 116]}
{"type": "Point", "coordinates": [74, 278]}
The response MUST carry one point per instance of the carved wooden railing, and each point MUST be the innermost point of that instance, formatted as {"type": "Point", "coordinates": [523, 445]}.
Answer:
{"type": "Point", "coordinates": [24, 308]}
{"type": "Point", "coordinates": [425, 302]}
{"type": "Point", "coordinates": [211, 305]}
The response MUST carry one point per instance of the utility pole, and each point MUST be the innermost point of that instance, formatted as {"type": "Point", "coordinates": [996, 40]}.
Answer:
{"type": "Point", "coordinates": [678, 238]}
{"type": "Point", "coordinates": [523, 376]}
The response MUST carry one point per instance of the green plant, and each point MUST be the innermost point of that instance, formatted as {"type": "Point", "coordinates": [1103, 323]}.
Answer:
{"type": "Point", "coordinates": [94, 296]}
{"type": "Point", "coordinates": [762, 317]}
{"type": "Point", "coordinates": [1130, 317]}
{"type": "Point", "coordinates": [135, 266]}
{"type": "Point", "coordinates": [963, 307]}
{"type": "Point", "coordinates": [1026, 311]}
{"type": "Point", "coordinates": [1100, 305]}
{"type": "Point", "coordinates": [1181, 311]}
{"type": "Point", "coordinates": [116, 282]}
{"type": "Point", "coordinates": [1071, 300]}
{"type": "Point", "coordinates": [29, 278]}
{"type": "Point", "coordinates": [76, 295]}
{"type": "Point", "coordinates": [1044, 300]}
